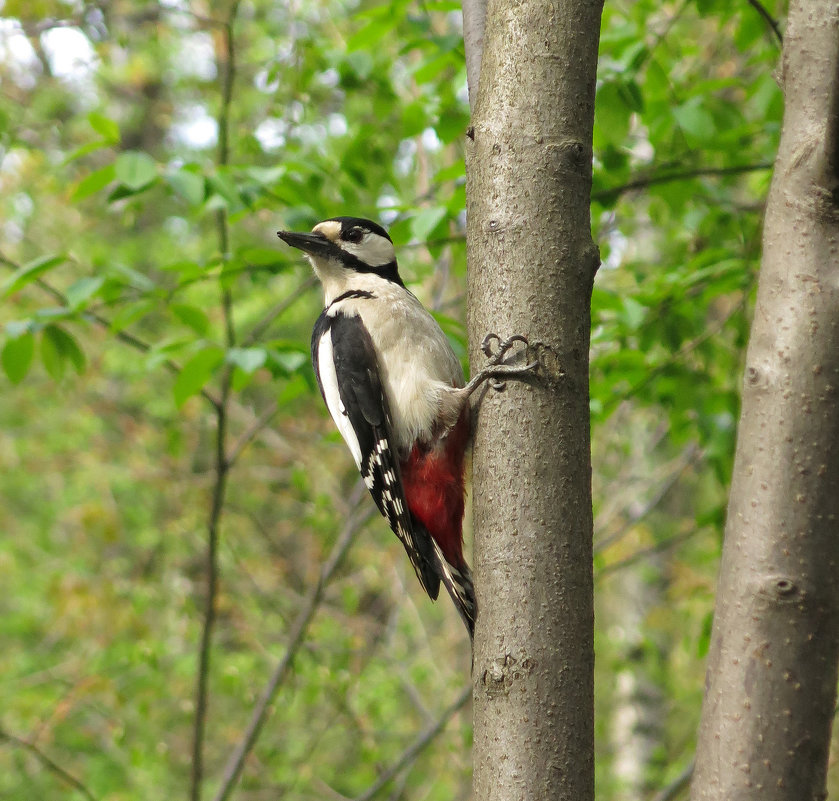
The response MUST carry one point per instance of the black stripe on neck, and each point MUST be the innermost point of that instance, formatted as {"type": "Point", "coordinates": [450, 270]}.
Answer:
{"type": "Point", "coordinates": [352, 293]}
{"type": "Point", "coordinates": [389, 271]}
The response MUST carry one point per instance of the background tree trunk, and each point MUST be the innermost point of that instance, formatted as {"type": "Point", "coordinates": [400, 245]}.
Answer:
{"type": "Point", "coordinates": [772, 667]}
{"type": "Point", "coordinates": [531, 266]}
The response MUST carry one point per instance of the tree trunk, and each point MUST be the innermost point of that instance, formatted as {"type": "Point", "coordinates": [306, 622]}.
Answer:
{"type": "Point", "coordinates": [531, 266]}
{"type": "Point", "coordinates": [772, 667]}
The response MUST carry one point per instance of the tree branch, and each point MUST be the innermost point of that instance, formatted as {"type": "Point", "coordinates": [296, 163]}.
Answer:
{"type": "Point", "coordinates": [276, 311]}
{"type": "Point", "coordinates": [674, 789]}
{"type": "Point", "coordinates": [770, 20]}
{"type": "Point", "coordinates": [423, 740]}
{"type": "Point", "coordinates": [659, 547]}
{"type": "Point", "coordinates": [123, 336]}
{"type": "Point", "coordinates": [236, 763]}
{"type": "Point", "coordinates": [48, 763]}
{"type": "Point", "coordinates": [222, 463]}
{"type": "Point", "coordinates": [688, 457]}
{"type": "Point", "coordinates": [247, 437]}
{"type": "Point", "coordinates": [646, 181]}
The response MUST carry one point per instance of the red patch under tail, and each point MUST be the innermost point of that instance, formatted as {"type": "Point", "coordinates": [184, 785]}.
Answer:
{"type": "Point", "coordinates": [434, 482]}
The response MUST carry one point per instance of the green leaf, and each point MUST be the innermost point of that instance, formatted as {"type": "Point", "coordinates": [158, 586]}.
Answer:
{"type": "Point", "coordinates": [633, 313]}
{"type": "Point", "coordinates": [17, 356]}
{"type": "Point", "coordinates": [104, 126]}
{"type": "Point", "coordinates": [695, 119]}
{"type": "Point", "coordinates": [29, 272]}
{"type": "Point", "coordinates": [240, 379]}
{"type": "Point", "coordinates": [135, 170]}
{"type": "Point", "coordinates": [130, 314]}
{"type": "Point", "coordinates": [90, 147]}
{"type": "Point", "coordinates": [93, 182]}
{"type": "Point", "coordinates": [426, 221]}
{"type": "Point", "coordinates": [247, 359]}
{"type": "Point", "coordinates": [50, 357]}
{"type": "Point", "coordinates": [191, 316]}
{"type": "Point", "coordinates": [225, 188]}
{"type": "Point", "coordinates": [611, 114]}
{"type": "Point", "coordinates": [188, 184]}
{"type": "Point", "coordinates": [266, 176]}
{"type": "Point", "coordinates": [59, 347]}
{"type": "Point", "coordinates": [82, 290]}
{"type": "Point", "coordinates": [120, 192]}
{"type": "Point", "coordinates": [287, 361]}
{"type": "Point", "coordinates": [196, 373]}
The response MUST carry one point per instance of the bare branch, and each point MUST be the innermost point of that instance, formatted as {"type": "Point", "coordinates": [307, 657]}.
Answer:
{"type": "Point", "coordinates": [423, 740]}
{"type": "Point", "coordinates": [222, 463]}
{"type": "Point", "coordinates": [663, 545]}
{"type": "Point", "coordinates": [236, 763]}
{"type": "Point", "coordinates": [277, 311]}
{"type": "Point", "coordinates": [770, 20]}
{"type": "Point", "coordinates": [248, 436]}
{"type": "Point", "coordinates": [655, 178]}
{"type": "Point", "coordinates": [687, 458]}
{"type": "Point", "coordinates": [675, 788]}
{"type": "Point", "coordinates": [48, 763]}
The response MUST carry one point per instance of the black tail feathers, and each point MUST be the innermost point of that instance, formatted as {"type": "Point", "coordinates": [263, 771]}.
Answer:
{"type": "Point", "coordinates": [458, 583]}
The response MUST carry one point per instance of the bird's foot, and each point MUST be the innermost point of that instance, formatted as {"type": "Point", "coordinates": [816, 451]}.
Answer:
{"type": "Point", "coordinates": [498, 372]}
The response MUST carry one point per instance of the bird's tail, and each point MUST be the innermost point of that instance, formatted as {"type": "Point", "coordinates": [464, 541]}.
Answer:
{"type": "Point", "coordinates": [458, 583]}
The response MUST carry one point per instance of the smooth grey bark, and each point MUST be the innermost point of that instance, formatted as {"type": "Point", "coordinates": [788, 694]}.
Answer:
{"type": "Point", "coordinates": [772, 666]}
{"type": "Point", "coordinates": [531, 267]}
{"type": "Point", "coordinates": [474, 22]}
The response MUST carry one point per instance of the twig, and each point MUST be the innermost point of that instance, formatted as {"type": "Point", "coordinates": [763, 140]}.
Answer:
{"type": "Point", "coordinates": [664, 545]}
{"type": "Point", "coordinates": [222, 463]}
{"type": "Point", "coordinates": [276, 311]}
{"type": "Point", "coordinates": [672, 791]}
{"type": "Point", "coordinates": [688, 457]}
{"type": "Point", "coordinates": [416, 748]}
{"type": "Point", "coordinates": [247, 437]}
{"type": "Point", "coordinates": [687, 348]}
{"type": "Point", "coordinates": [234, 766]}
{"type": "Point", "coordinates": [770, 20]}
{"type": "Point", "coordinates": [48, 763]}
{"type": "Point", "coordinates": [646, 181]}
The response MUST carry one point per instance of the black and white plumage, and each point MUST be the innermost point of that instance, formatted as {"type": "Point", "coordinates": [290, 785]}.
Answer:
{"type": "Point", "coordinates": [395, 390]}
{"type": "Point", "coordinates": [341, 346]}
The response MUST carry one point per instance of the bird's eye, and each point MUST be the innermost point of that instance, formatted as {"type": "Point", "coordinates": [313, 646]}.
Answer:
{"type": "Point", "coordinates": [354, 235]}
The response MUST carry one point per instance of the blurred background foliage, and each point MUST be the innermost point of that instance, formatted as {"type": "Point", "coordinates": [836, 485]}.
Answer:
{"type": "Point", "coordinates": [155, 359]}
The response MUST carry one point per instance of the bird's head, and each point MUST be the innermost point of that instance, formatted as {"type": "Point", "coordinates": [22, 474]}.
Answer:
{"type": "Point", "coordinates": [344, 247]}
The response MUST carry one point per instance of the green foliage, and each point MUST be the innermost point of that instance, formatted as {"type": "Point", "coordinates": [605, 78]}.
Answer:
{"type": "Point", "coordinates": [142, 268]}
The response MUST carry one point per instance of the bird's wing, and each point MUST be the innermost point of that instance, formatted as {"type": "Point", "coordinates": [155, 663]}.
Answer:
{"type": "Point", "coordinates": [348, 375]}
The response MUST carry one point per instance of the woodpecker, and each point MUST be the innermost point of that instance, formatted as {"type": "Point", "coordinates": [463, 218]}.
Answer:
{"type": "Point", "coordinates": [396, 392]}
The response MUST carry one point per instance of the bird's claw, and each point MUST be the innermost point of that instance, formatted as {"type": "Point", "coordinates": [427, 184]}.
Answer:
{"type": "Point", "coordinates": [495, 349]}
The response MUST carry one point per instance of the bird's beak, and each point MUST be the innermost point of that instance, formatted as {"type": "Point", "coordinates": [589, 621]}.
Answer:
{"type": "Point", "coordinates": [314, 244]}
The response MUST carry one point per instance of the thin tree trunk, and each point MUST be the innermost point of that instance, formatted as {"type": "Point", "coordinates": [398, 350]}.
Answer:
{"type": "Point", "coordinates": [531, 267]}
{"type": "Point", "coordinates": [772, 667]}
{"type": "Point", "coordinates": [637, 710]}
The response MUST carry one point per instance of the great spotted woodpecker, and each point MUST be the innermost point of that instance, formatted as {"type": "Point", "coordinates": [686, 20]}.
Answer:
{"type": "Point", "coordinates": [395, 390]}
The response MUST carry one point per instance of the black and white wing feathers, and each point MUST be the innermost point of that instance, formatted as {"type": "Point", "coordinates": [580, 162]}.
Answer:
{"type": "Point", "coordinates": [348, 375]}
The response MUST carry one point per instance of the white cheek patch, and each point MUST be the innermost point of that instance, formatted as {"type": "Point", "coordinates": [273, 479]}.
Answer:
{"type": "Point", "coordinates": [373, 249]}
